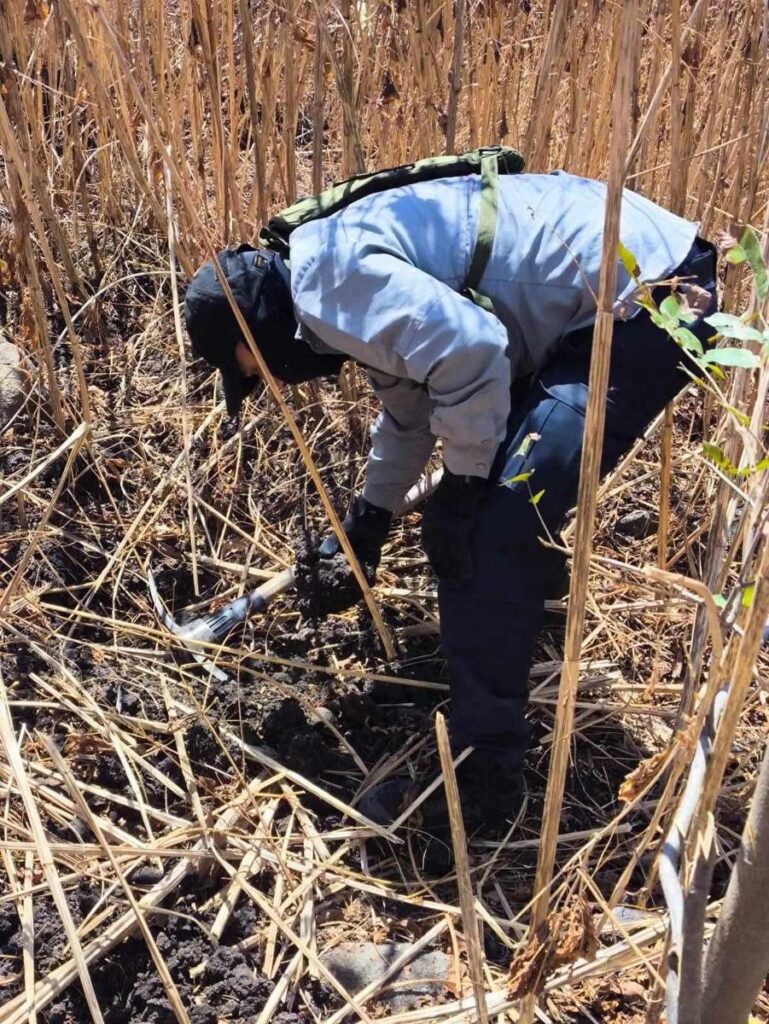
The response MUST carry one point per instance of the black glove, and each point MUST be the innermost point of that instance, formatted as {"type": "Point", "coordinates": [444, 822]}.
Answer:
{"type": "Point", "coordinates": [367, 527]}
{"type": "Point", "coordinates": [449, 522]}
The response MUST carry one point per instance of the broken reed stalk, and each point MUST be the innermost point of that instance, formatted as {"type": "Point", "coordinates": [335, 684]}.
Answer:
{"type": "Point", "coordinates": [548, 81]}
{"type": "Point", "coordinates": [679, 192]}
{"type": "Point", "coordinates": [244, 11]}
{"type": "Point", "coordinates": [319, 93]}
{"type": "Point", "coordinates": [392, 970]}
{"type": "Point", "coordinates": [462, 868]}
{"type": "Point", "coordinates": [290, 115]}
{"type": "Point", "coordinates": [456, 76]}
{"type": "Point", "coordinates": [264, 905]}
{"type": "Point", "coordinates": [588, 479]}
{"type": "Point", "coordinates": [79, 438]}
{"type": "Point", "coordinates": [666, 477]}
{"type": "Point", "coordinates": [22, 895]}
{"type": "Point", "coordinates": [27, 917]}
{"type": "Point", "coordinates": [352, 155]}
{"type": "Point", "coordinates": [679, 168]}
{"type": "Point", "coordinates": [75, 439]}
{"type": "Point", "coordinates": [183, 366]}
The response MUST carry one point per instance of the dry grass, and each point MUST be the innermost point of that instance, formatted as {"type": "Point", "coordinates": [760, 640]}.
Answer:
{"type": "Point", "coordinates": [119, 117]}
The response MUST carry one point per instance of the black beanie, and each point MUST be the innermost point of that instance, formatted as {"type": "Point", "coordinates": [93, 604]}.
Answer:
{"type": "Point", "coordinates": [261, 285]}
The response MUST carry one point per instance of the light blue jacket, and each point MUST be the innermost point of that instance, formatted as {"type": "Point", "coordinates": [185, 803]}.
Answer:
{"type": "Point", "coordinates": [380, 282]}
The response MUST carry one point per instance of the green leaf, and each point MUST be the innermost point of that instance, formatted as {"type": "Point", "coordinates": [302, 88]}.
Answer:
{"type": "Point", "coordinates": [659, 320]}
{"type": "Point", "coordinates": [748, 594]}
{"type": "Point", "coordinates": [752, 248]}
{"type": "Point", "coordinates": [742, 418]}
{"type": "Point", "coordinates": [732, 357]}
{"type": "Point", "coordinates": [722, 321]}
{"type": "Point", "coordinates": [736, 255]}
{"type": "Point", "coordinates": [750, 470]}
{"type": "Point", "coordinates": [535, 498]}
{"type": "Point", "coordinates": [743, 332]}
{"type": "Point", "coordinates": [520, 477]}
{"type": "Point", "coordinates": [687, 340]}
{"type": "Point", "coordinates": [719, 600]}
{"type": "Point", "coordinates": [732, 327]}
{"type": "Point", "coordinates": [628, 261]}
{"type": "Point", "coordinates": [669, 308]}
{"type": "Point", "coordinates": [713, 452]}
{"type": "Point", "coordinates": [716, 455]}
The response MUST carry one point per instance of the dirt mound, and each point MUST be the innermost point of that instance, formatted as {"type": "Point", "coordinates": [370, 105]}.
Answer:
{"type": "Point", "coordinates": [229, 984]}
{"type": "Point", "coordinates": [325, 586]}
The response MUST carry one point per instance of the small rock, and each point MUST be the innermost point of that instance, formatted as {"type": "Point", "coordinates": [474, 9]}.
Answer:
{"type": "Point", "coordinates": [639, 523]}
{"type": "Point", "coordinates": [147, 875]}
{"type": "Point", "coordinates": [357, 964]}
{"type": "Point", "coordinates": [632, 990]}
{"type": "Point", "coordinates": [630, 916]}
{"type": "Point", "coordinates": [12, 381]}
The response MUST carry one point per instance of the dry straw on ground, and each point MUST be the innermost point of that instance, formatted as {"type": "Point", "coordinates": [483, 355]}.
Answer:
{"type": "Point", "coordinates": [190, 847]}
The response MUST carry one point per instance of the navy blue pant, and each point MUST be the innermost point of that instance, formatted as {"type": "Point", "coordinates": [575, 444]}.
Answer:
{"type": "Point", "coordinates": [489, 625]}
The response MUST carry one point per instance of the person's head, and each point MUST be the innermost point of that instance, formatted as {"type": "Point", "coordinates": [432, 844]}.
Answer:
{"type": "Point", "coordinates": [260, 284]}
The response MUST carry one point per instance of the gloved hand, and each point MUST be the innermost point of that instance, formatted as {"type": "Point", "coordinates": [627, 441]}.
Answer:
{"type": "Point", "coordinates": [449, 522]}
{"type": "Point", "coordinates": [367, 527]}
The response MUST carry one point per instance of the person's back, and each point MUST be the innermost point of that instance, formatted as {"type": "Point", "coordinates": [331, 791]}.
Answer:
{"type": "Point", "coordinates": [381, 283]}
{"type": "Point", "coordinates": [543, 273]}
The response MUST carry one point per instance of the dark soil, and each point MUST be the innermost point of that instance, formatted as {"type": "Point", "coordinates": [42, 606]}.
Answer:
{"type": "Point", "coordinates": [229, 986]}
{"type": "Point", "coordinates": [325, 586]}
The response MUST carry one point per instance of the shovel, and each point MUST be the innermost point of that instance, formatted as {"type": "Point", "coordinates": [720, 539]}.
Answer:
{"type": "Point", "coordinates": [211, 629]}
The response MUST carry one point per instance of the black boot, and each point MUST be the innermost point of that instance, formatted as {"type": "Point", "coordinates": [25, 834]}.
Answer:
{"type": "Point", "coordinates": [490, 793]}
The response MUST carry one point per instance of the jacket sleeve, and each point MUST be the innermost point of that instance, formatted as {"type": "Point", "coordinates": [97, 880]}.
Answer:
{"type": "Point", "coordinates": [401, 440]}
{"type": "Point", "coordinates": [390, 316]}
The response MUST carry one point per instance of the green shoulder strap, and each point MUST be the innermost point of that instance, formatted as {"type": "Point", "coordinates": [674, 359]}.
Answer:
{"type": "Point", "coordinates": [487, 224]}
